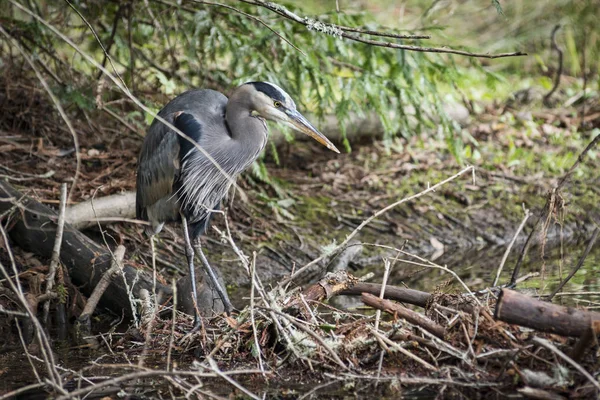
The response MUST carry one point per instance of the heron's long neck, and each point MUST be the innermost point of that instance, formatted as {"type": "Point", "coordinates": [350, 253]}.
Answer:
{"type": "Point", "coordinates": [249, 133]}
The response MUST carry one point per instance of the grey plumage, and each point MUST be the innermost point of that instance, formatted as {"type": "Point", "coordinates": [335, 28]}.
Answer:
{"type": "Point", "coordinates": [176, 181]}
{"type": "Point", "coordinates": [170, 180]}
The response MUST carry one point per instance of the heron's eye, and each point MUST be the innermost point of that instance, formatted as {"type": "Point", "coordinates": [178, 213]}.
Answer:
{"type": "Point", "coordinates": [277, 104]}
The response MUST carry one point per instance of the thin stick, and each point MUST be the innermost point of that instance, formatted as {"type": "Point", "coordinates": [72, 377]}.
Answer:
{"type": "Point", "coordinates": [379, 213]}
{"type": "Point", "coordinates": [559, 69]}
{"type": "Point", "coordinates": [106, 55]}
{"type": "Point", "coordinates": [55, 260]}
{"type": "Point", "coordinates": [173, 320]}
{"type": "Point", "coordinates": [254, 331]}
{"type": "Point", "coordinates": [586, 252]}
{"type": "Point", "coordinates": [146, 373]}
{"type": "Point", "coordinates": [386, 265]}
{"type": "Point", "coordinates": [402, 350]}
{"type": "Point", "coordinates": [215, 368]}
{"type": "Point", "coordinates": [510, 246]}
{"type": "Point", "coordinates": [316, 337]}
{"type": "Point", "coordinates": [116, 267]}
{"type": "Point", "coordinates": [577, 366]}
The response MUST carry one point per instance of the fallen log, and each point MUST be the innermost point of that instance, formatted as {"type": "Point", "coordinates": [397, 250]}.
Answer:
{"type": "Point", "coordinates": [518, 309]}
{"type": "Point", "coordinates": [398, 310]}
{"type": "Point", "coordinates": [32, 226]}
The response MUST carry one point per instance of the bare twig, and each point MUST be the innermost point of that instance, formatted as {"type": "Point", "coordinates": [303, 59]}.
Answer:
{"type": "Point", "coordinates": [560, 67]}
{"type": "Point", "coordinates": [386, 274]}
{"type": "Point", "coordinates": [252, 319]}
{"type": "Point", "coordinates": [402, 350]}
{"type": "Point", "coordinates": [104, 50]}
{"type": "Point", "coordinates": [173, 321]}
{"type": "Point", "coordinates": [545, 343]}
{"type": "Point", "coordinates": [146, 373]}
{"type": "Point", "coordinates": [510, 245]}
{"type": "Point", "coordinates": [586, 252]}
{"type": "Point", "coordinates": [215, 368]}
{"type": "Point", "coordinates": [548, 209]}
{"type": "Point", "coordinates": [316, 337]}
{"type": "Point", "coordinates": [115, 269]}
{"type": "Point", "coordinates": [55, 260]}
{"type": "Point", "coordinates": [398, 310]}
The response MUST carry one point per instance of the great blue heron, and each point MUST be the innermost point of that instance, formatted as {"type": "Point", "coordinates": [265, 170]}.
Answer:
{"type": "Point", "coordinates": [178, 182]}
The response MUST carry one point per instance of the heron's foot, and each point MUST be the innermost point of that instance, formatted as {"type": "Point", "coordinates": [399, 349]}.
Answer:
{"type": "Point", "coordinates": [229, 308]}
{"type": "Point", "coordinates": [197, 325]}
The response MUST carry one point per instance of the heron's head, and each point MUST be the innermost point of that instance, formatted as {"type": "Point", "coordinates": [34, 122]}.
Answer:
{"type": "Point", "coordinates": [271, 102]}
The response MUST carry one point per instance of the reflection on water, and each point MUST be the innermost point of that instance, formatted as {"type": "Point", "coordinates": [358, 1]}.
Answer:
{"type": "Point", "coordinates": [478, 269]}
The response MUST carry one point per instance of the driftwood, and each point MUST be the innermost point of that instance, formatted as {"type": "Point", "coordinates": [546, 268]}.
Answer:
{"type": "Point", "coordinates": [519, 309]}
{"type": "Point", "coordinates": [103, 209]}
{"type": "Point", "coordinates": [398, 310]}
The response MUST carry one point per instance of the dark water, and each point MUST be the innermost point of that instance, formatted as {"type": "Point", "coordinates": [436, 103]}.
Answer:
{"type": "Point", "coordinates": [477, 268]}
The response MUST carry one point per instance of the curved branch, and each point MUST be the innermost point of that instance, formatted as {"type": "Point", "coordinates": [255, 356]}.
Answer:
{"type": "Point", "coordinates": [354, 34]}
{"type": "Point", "coordinates": [560, 67]}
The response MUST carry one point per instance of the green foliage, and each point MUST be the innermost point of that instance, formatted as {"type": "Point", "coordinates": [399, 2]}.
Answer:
{"type": "Point", "coordinates": [163, 47]}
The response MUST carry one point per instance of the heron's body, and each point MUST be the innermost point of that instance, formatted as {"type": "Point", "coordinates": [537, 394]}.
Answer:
{"type": "Point", "coordinates": [175, 177]}
{"type": "Point", "coordinates": [177, 181]}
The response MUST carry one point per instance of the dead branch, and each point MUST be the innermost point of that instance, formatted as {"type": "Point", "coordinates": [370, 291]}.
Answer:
{"type": "Point", "coordinates": [516, 308]}
{"type": "Point", "coordinates": [114, 270]}
{"type": "Point", "coordinates": [355, 35]}
{"type": "Point", "coordinates": [560, 67]}
{"type": "Point", "coordinates": [586, 252]}
{"type": "Point", "coordinates": [403, 295]}
{"type": "Point", "coordinates": [399, 311]}
{"type": "Point", "coordinates": [55, 260]}
{"type": "Point", "coordinates": [332, 284]}
{"type": "Point", "coordinates": [549, 207]}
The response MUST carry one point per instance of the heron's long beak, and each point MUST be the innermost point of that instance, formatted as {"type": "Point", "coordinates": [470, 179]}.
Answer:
{"type": "Point", "coordinates": [297, 121]}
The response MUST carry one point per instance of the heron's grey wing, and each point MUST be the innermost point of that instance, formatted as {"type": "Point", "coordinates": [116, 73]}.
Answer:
{"type": "Point", "coordinates": [158, 166]}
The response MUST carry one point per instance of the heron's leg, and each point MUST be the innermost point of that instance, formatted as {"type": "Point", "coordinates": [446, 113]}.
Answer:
{"type": "Point", "coordinates": [189, 253]}
{"type": "Point", "coordinates": [211, 274]}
